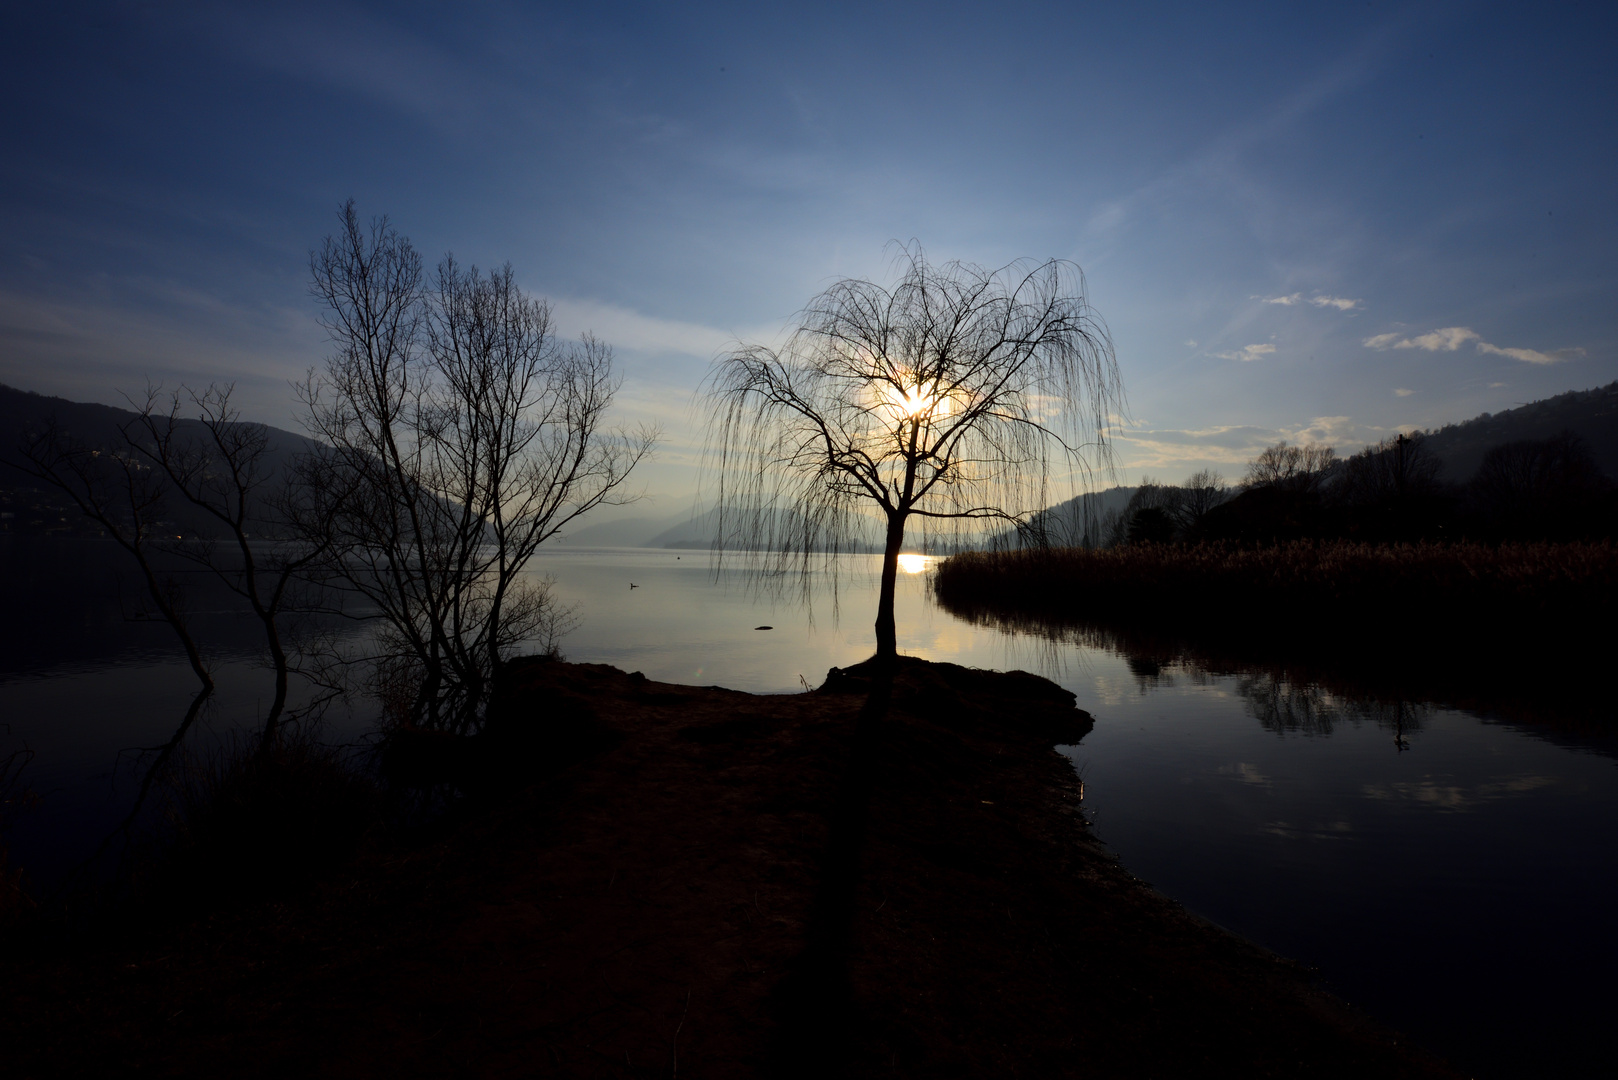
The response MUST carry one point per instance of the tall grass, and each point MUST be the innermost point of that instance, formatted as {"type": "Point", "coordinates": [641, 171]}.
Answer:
{"type": "Point", "coordinates": [1476, 594]}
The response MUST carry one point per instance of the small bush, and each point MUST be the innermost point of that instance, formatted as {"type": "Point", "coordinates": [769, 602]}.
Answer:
{"type": "Point", "coordinates": [252, 824]}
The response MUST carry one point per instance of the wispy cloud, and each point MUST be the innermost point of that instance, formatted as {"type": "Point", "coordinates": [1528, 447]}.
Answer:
{"type": "Point", "coordinates": [1246, 353]}
{"type": "Point", "coordinates": [1214, 160]}
{"type": "Point", "coordinates": [1230, 446]}
{"type": "Point", "coordinates": [1341, 303]}
{"type": "Point", "coordinates": [629, 329]}
{"type": "Point", "coordinates": [1446, 340]}
{"type": "Point", "coordinates": [1451, 338]}
{"type": "Point", "coordinates": [410, 72]}
{"type": "Point", "coordinates": [1327, 430]}
{"type": "Point", "coordinates": [1401, 392]}
{"type": "Point", "coordinates": [1531, 356]}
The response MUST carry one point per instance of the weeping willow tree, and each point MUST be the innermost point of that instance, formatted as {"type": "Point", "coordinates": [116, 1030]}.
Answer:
{"type": "Point", "coordinates": [954, 398]}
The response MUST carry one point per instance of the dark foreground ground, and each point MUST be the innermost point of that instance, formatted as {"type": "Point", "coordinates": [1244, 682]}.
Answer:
{"type": "Point", "coordinates": [875, 879]}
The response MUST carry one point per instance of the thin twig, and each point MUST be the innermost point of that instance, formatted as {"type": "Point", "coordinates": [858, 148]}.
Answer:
{"type": "Point", "coordinates": [674, 1049]}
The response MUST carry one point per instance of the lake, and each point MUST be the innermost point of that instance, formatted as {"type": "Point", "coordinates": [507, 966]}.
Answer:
{"type": "Point", "coordinates": [1449, 873]}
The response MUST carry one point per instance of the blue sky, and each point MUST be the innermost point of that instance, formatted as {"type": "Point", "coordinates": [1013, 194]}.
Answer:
{"type": "Point", "coordinates": [1299, 221]}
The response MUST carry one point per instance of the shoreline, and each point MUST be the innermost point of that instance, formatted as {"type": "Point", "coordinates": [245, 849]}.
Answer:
{"type": "Point", "coordinates": [867, 880]}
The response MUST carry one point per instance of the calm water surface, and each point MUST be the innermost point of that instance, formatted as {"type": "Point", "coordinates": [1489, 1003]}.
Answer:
{"type": "Point", "coordinates": [1452, 875]}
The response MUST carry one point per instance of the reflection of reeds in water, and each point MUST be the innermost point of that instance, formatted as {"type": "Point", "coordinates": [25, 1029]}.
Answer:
{"type": "Point", "coordinates": [1281, 699]}
{"type": "Point", "coordinates": [250, 821]}
{"type": "Point", "coordinates": [15, 795]}
{"type": "Point", "coordinates": [1287, 706]}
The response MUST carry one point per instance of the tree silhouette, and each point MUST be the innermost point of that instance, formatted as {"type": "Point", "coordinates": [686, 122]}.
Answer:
{"type": "Point", "coordinates": [1298, 469]}
{"type": "Point", "coordinates": [458, 433]}
{"type": "Point", "coordinates": [943, 398]}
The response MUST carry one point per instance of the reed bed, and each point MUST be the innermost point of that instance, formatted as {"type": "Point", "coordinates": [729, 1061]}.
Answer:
{"type": "Point", "coordinates": [1466, 594]}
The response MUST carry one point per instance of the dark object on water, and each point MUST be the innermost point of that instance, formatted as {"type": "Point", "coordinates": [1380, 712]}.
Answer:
{"type": "Point", "coordinates": [632, 585]}
{"type": "Point", "coordinates": [763, 628]}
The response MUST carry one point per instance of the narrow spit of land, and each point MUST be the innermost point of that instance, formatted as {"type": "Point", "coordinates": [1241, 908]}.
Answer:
{"type": "Point", "coordinates": [889, 876]}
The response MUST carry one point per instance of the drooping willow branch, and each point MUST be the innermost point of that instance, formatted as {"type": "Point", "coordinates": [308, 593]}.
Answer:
{"type": "Point", "coordinates": [951, 396]}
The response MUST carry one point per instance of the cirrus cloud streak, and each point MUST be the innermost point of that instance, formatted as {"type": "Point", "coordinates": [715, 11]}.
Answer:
{"type": "Point", "coordinates": [1341, 303]}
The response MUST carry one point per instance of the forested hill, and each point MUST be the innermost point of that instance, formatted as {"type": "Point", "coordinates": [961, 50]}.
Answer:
{"type": "Point", "coordinates": [30, 506]}
{"type": "Point", "coordinates": [1590, 414]}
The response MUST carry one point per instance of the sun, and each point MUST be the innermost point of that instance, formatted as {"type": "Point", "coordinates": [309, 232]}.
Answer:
{"type": "Point", "coordinates": [913, 564]}
{"type": "Point", "coordinates": [920, 399]}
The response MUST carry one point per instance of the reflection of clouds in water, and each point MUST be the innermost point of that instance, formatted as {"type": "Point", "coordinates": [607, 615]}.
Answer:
{"type": "Point", "coordinates": [1455, 797]}
{"type": "Point", "coordinates": [1113, 692]}
{"type": "Point", "coordinates": [1247, 774]}
{"type": "Point", "coordinates": [1331, 830]}
{"type": "Point", "coordinates": [1282, 704]}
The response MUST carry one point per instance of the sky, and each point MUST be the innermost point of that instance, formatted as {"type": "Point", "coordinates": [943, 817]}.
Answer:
{"type": "Point", "coordinates": [1310, 222]}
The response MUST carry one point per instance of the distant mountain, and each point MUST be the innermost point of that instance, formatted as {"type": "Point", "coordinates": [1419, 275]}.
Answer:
{"type": "Point", "coordinates": [1065, 523]}
{"type": "Point", "coordinates": [28, 505]}
{"type": "Point", "coordinates": [1590, 414]}
{"type": "Point", "coordinates": [701, 531]}
{"type": "Point", "coordinates": [626, 532]}
{"type": "Point", "coordinates": [693, 532]}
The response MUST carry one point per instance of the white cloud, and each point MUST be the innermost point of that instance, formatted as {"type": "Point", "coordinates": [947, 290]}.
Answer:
{"type": "Point", "coordinates": [1451, 338]}
{"type": "Point", "coordinates": [1531, 356]}
{"type": "Point", "coordinates": [1341, 303]}
{"type": "Point", "coordinates": [1190, 343]}
{"type": "Point", "coordinates": [1446, 340]}
{"type": "Point", "coordinates": [1400, 392]}
{"type": "Point", "coordinates": [1496, 385]}
{"type": "Point", "coordinates": [1246, 353]}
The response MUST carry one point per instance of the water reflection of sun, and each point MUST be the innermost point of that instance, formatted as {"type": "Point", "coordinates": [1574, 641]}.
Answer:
{"type": "Point", "coordinates": [914, 564]}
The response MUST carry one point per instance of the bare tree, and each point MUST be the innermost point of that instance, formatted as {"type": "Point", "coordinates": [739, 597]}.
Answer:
{"type": "Point", "coordinates": [1154, 512]}
{"type": "Point", "coordinates": [1541, 487]}
{"type": "Point", "coordinates": [461, 435]}
{"type": "Point", "coordinates": [119, 490]}
{"type": "Point", "coordinates": [222, 466]}
{"type": "Point", "coordinates": [1203, 491]}
{"type": "Point", "coordinates": [1392, 469]}
{"type": "Point", "coordinates": [1299, 469]}
{"type": "Point", "coordinates": [943, 398]}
